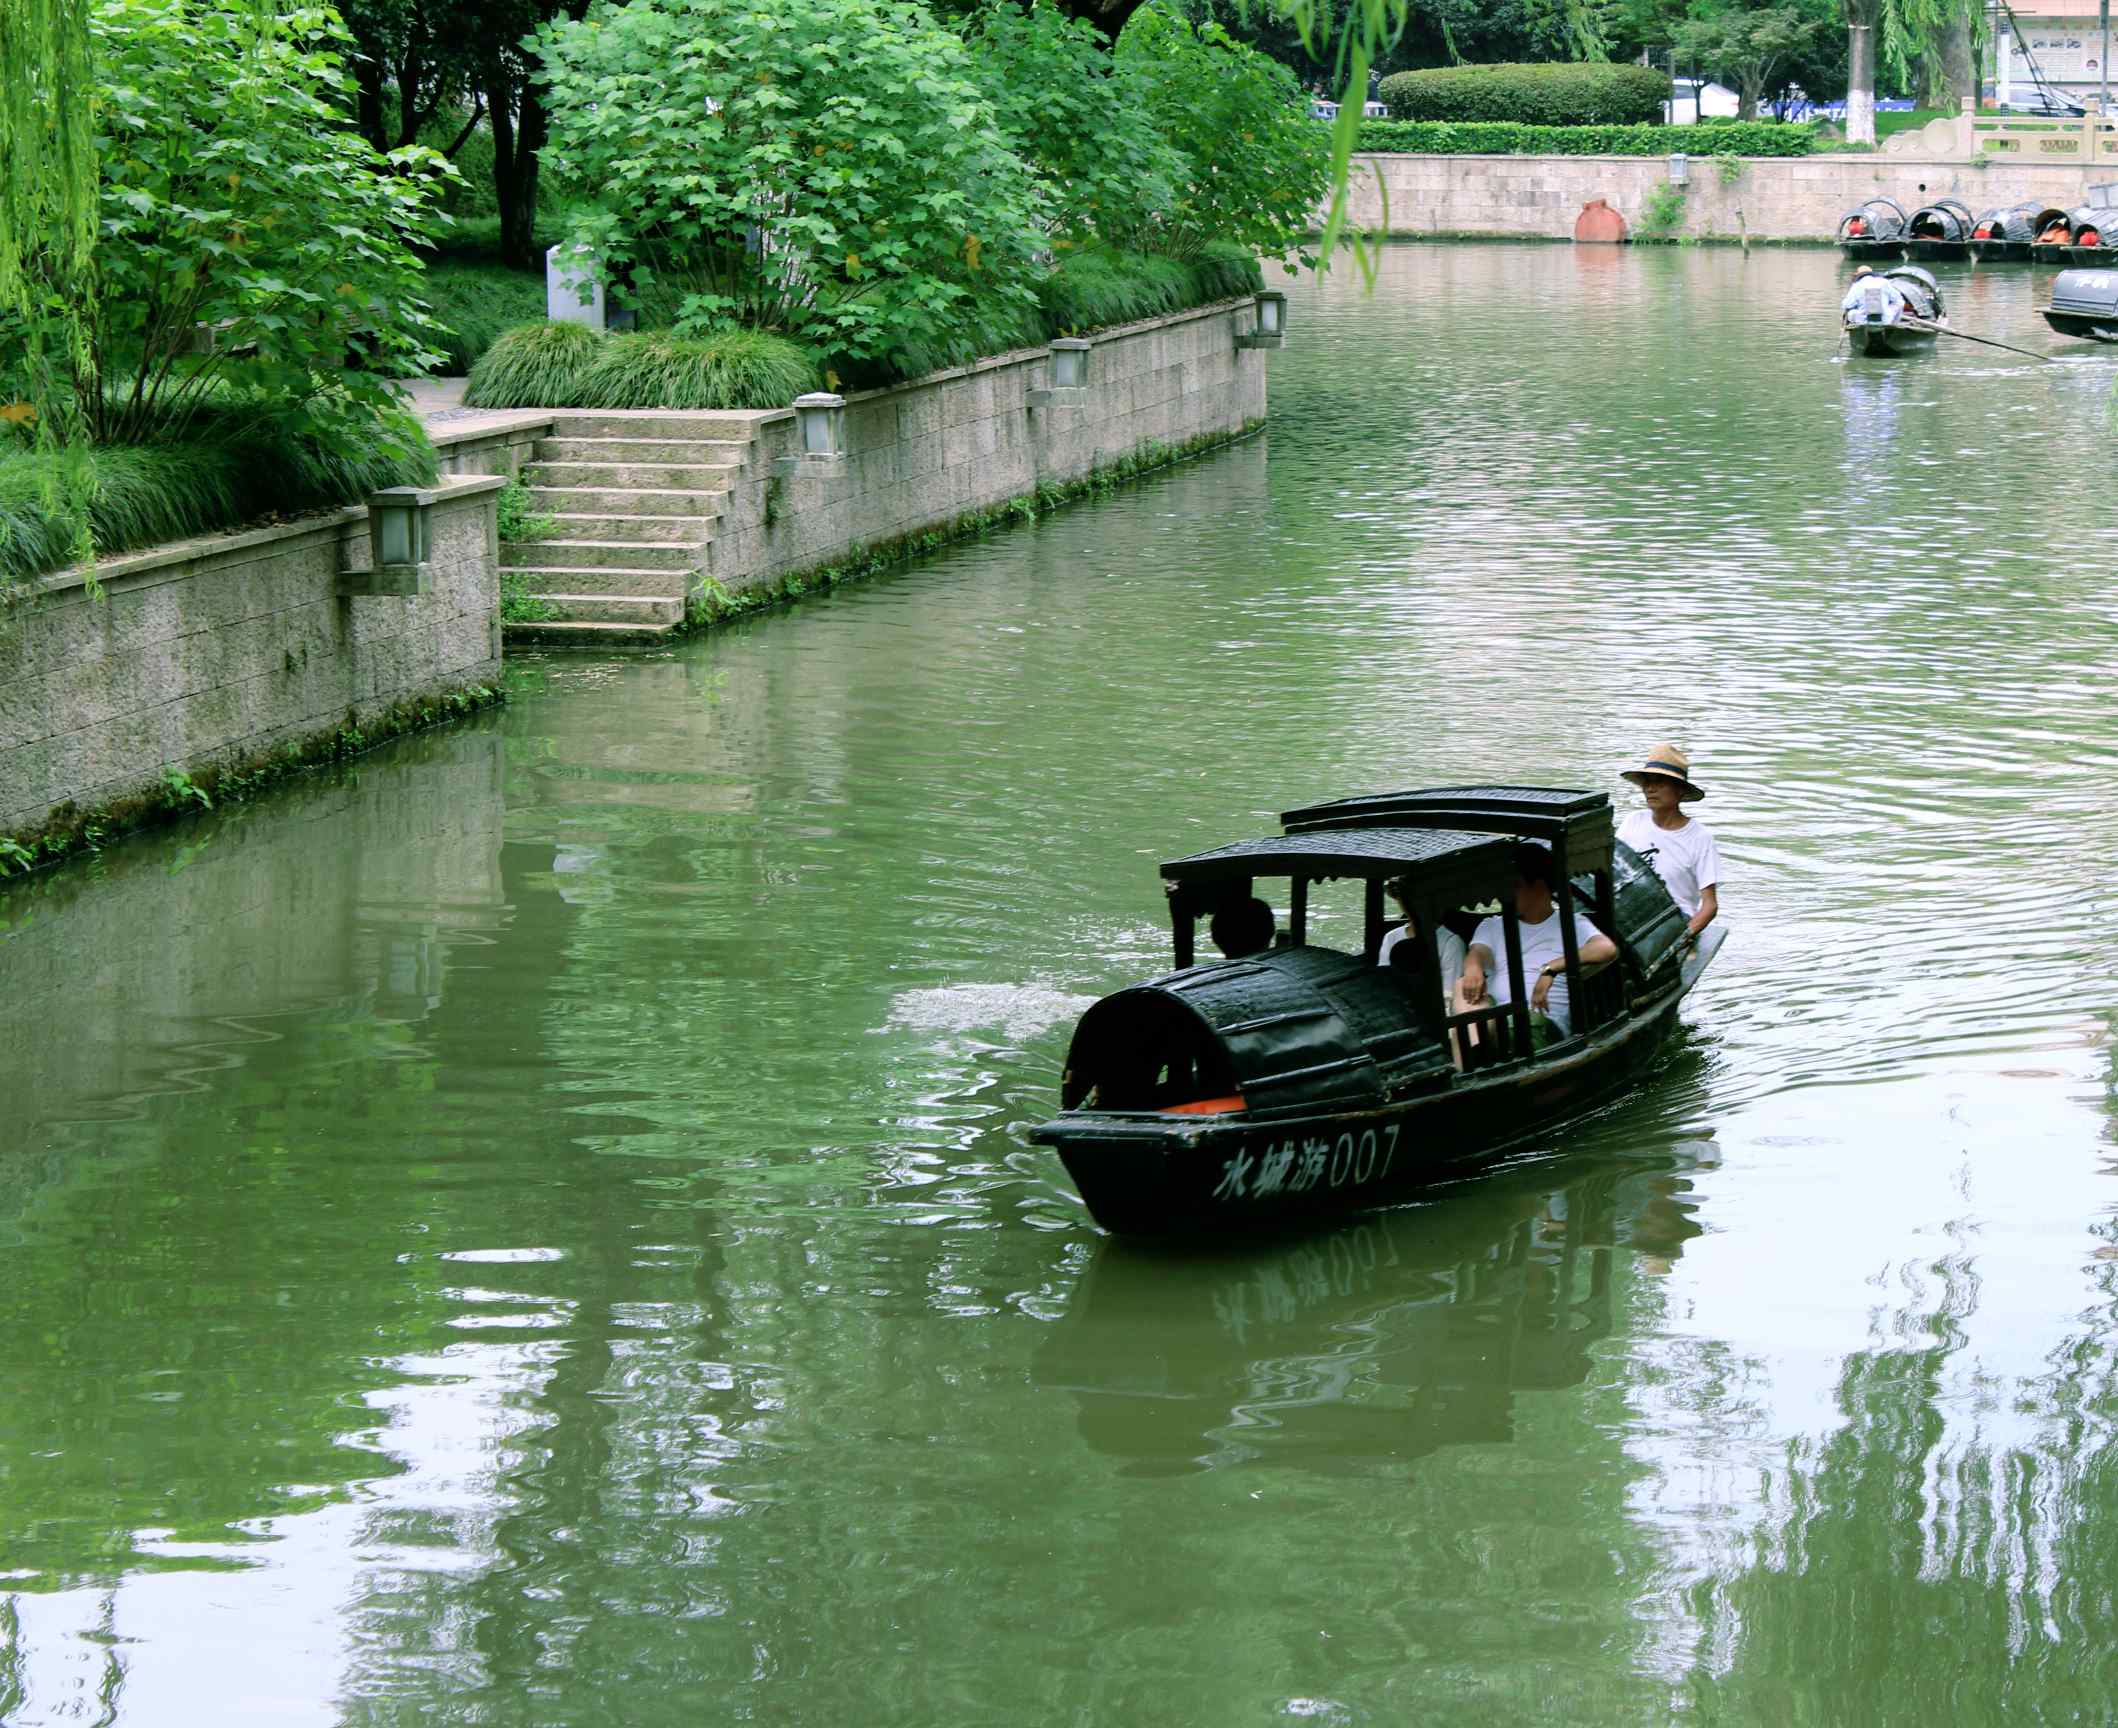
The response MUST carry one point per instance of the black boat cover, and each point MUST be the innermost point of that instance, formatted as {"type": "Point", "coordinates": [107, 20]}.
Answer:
{"type": "Point", "coordinates": [1944, 219]}
{"type": "Point", "coordinates": [1880, 219]}
{"type": "Point", "coordinates": [2087, 293]}
{"type": "Point", "coordinates": [1291, 1029]}
{"type": "Point", "coordinates": [2009, 222]}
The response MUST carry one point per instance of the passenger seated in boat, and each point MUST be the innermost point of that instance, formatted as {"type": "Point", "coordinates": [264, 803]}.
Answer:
{"type": "Point", "coordinates": [1485, 969]}
{"type": "Point", "coordinates": [1449, 944]}
{"type": "Point", "coordinates": [2056, 235]}
{"type": "Point", "coordinates": [1241, 928]}
{"type": "Point", "coordinates": [1857, 295]}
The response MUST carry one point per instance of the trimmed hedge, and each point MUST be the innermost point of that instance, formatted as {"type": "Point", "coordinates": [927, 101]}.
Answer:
{"type": "Point", "coordinates": [1440, 138]}
{"type": "Point", "coordinates": [1559, 94]}
{"type": "Point", "coordinates": [225, 473]}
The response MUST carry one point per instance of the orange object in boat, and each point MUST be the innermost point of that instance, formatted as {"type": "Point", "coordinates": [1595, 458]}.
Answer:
{"type": "Point", "coordinates": [1209, 1107]}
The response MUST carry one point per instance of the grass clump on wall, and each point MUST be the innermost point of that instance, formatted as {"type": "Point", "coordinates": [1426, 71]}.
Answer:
{"type": "Point", "coordinates": [533, 366]}
{"type": "Point", "coordinates": [224, 473]}
{"type": "Point", "coordinates": [729, 369]}
{"type": "Point", "coordinates": [1099, 286]}
{"type": "Point", "coordinates": [571, 366]}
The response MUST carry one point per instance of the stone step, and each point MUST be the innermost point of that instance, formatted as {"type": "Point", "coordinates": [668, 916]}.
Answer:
{"type": "Point", "coordinates": [641, 584]}
{"type": "Point", "coordinates": [636, 530]}
{"type": "Point", "coordinates": [632, 476]}
{"type": "Point", "coordinates": [614, 608]}
{"type": "Point", "coordinates": [688, 451]}
{"type": "Point", "coordinates": [626, 501]}
{"type": "Point", "coordinates": [695, 425]}
{"type": "Point", "coordinates": [558, 633]}
{"type": "Point", "coordinates": [598, 555]}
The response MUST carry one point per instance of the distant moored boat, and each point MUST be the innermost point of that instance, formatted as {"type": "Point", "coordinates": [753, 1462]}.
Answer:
{"type": "Point", "coordinates": [1940, 232]}
{"type": "Point", "coordinates": [1874, 230]}
{"type": "Point", "coordinates": [2003, 234]}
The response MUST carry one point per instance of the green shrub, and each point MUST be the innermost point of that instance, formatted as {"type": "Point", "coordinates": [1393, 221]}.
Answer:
{"type": "Point", "coordinates": [232, 467]}
{"type": "Point", "coordinates": [475, 303]}
{"type": "Point", "coordinates": [729, 369]}
{"type": "Point", "coordinates": [1559, 94]}
{"type": "Point", "coordinates": [1443, 138]}
{"type": "Point", "coordinates": [1255, 163]}
{"type": "Point", "coordinates": [826, 169]}
{"type": "Point", "coordinates": [533, 366]}
{"type": "Point", "coordinates": [1079, 120]}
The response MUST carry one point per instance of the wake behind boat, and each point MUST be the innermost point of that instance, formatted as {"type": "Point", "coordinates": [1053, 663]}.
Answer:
{"type": "Point", "coordinates": [1302, 1079]}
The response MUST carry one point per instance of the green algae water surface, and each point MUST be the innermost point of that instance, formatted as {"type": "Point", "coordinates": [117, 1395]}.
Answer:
{"type": "Point", "coordinates": [536, 1228]}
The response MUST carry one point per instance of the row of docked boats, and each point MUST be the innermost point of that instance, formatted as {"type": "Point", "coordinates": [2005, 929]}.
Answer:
{"type": "Point", "coordinates": [1946, 232]}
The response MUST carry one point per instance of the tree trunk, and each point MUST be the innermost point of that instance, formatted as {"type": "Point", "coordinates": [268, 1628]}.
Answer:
{"type": "Point", "coordinates": [519, 131]}
{"type": "Point", "coordinates": [1860, 81]}
{"type": "Point", "coordinates": [1108, 16]}
{"type": "Point", "coordinates": [1958, 69]}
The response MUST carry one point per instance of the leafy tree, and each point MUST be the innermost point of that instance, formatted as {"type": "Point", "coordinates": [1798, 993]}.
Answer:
{"type": "Point", "coordinates": [1255, 164]}
{"type": "Point", "coordinates": [234, 200]}
{"type": "Point", "coordinates": [1082, 124]}
{"type": "Point", "coordinates": [825, 168]}
{"type": "Point", "coordinates": [1754, 48]}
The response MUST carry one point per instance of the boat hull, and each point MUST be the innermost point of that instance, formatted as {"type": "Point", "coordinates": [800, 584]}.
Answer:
{"type": "Point", "coordinates": [1153, 1176]}
{"type": "Point", "coordinates": [1872, 251]}
{"type": "Point", "coordinates": [2071, 324]}
{"type": "Point", "coordinates": [1938, 251]}
{"type": "Point", "coordinates": [1878, 341]}
{"type": "Point", "coordinates": [2000, 251]}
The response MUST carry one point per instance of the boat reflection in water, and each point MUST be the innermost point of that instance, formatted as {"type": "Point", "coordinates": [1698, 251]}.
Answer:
{"type": "Point", "coordinates": [1372, 1346]}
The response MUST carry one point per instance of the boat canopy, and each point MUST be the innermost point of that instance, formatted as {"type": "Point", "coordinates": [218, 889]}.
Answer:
{"type": "Point", "coordinates": [1298, 1029]}
{"type": "Point", "coordinates": [1878, 219]}
{"type": "Point", "coordinates": [2091, 294]}
{"type": "Point", "coordinates": [2018, 222]}
{"type": "Point", "coordinates": [1577, 825]}
{"type": "Point", "coordinates": [1944, 219]}
{"type": "Point", "coordinates": [1439, 857]}
{"type": "Point", "coordinates": [2094, 226]}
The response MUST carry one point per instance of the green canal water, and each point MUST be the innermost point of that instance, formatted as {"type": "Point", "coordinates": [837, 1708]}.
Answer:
{"type": "Point", "coordinates": [537, 1228]}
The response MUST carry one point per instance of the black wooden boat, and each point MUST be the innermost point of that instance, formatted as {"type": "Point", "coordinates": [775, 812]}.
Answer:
{"type": "Point", "coordinates": [2003, 234]}
{"type": "Point", "coordinates": [2085, 303]}
{"type": "Point", "coordinates": [1940, 232]}
{"type": "Point", "coordinates": [1874, 231]}
{"type": "Point", "coordinates": [1306, 1080]}
{"type": "Point", "coordinates": [2052, 244]}
{"type": "Point", "coordinates": [1905, 323]}
{"type": "Point", "coordinates": [2095, 239]}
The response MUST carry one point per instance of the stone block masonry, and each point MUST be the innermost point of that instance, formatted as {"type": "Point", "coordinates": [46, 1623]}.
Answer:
{"type": "Point", "coordinates": [228, 652]}
{"type": "Point", "coordinates": [1794, 198]}
{"type": "Point", "coordinates": [926, 455]}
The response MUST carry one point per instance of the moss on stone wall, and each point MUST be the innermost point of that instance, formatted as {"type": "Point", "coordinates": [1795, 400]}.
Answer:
{"type": "Point", "coordinates": [711, 603]}
{"type": "Point", "coordinates": [72, 832]}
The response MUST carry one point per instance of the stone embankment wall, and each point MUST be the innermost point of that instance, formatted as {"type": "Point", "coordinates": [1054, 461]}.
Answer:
{"type": "Point", "coordinates": [927, 454]}
{"type": "Point", "coordinates": [227, 652]}
{"type": "Point", "coordinates": [1773, 199]}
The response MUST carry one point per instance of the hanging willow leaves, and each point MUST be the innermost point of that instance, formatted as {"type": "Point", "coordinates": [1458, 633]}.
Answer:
{"type": "Point", "coordinates": [48, 210]}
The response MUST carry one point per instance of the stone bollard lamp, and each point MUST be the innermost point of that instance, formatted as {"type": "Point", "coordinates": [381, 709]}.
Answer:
{"type": "Point", "coordinates": [819, 434]}
{"type": "Point", "coordinates": [1270, 328]}
{"type": "Point", "coordinates": [1067, 370]}
{"type": "Point", "coordinates": [399, 544]}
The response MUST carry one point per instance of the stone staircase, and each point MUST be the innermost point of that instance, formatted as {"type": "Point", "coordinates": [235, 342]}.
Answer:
{"type": "Point", "coordinates": [633, 498]}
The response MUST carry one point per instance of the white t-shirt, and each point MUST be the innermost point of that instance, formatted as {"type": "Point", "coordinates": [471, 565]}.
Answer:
{"type": "Point", "coordinates": [1685, 858]}
{"type": "Point", "coordinates": [1450, 944]}
{"type": "Point", "coordinates": [1542, 944]}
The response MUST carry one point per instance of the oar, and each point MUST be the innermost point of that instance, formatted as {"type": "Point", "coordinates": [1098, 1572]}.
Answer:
{"type": "Point", "coordinates": [1966, 336]}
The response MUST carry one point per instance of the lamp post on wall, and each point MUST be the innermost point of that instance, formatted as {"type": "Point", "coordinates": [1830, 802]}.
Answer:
{"type": "Point", "coordinates": [1269, 329]}
{"type": "Point", "coordinates": [400, 543]}
{"type": "Point", "coordinates": [1067, 372]}
{"type": "Point", "coordinates": [819, 435]}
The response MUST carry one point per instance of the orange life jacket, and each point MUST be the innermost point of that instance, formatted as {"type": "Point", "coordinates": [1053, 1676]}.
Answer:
{"type": "Point", "coordinates": [2088, 237]}
{"type": "Point", "coordinates": [1856, 228]}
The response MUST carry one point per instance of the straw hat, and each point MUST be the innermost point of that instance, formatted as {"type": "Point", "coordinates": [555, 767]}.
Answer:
{"type": "Point", "coordinates": [1666, 762]}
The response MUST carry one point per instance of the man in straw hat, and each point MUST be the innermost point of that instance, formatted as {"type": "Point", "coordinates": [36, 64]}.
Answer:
{"type": "Point", "coordinates": [1681, 848]}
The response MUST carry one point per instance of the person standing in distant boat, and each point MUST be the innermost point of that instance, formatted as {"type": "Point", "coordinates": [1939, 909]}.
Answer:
{"type": "Point", "coordinates": [1680, 847]}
